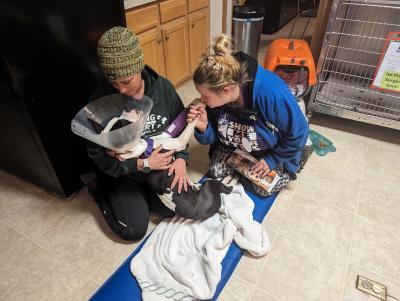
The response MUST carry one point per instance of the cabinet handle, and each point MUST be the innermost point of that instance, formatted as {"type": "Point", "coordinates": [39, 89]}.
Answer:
{"type": "Point", "coordinates": [159, 41]}
{"type": "Point", "coordinates": [192, 25]}
{"type": "Point", "coordinates": [167, 38]}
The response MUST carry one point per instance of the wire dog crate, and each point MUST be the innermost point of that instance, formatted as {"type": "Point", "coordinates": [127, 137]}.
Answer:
{"type": "Point", "coordinates": [351, 50]}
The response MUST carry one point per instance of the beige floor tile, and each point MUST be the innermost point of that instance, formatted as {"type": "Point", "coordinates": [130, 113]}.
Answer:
{"type": "Point", "coordinates": [391, 145]}
{"type": "Point", "coordinates": [43, 277]}
{"type": "Point", "coordinates": [250, 267]}
{"type": "Point", "coordinates": [4, 284]}
{"type": "Point", "coordinates": [340, 130]}
{"type": "Point", "coordinates": [237, 290]}
{"type": "Point", "coordinates": [376, 247]}
{"type": "Point", "coordinates": [87, 290]}
{"type": "Point", "coordinates": [380, 202]}
{"type": "Point", "coordinates": [295, 271]}
{"type": "Point", "coordinates": [27, 202]}
{"type": "Point", "coordinates": [260, 295]}
{"type": "Point", "coordinates": [277, 213]}
{"type": "Point", "coordinates": [61, 217]}
{"type": "Point", "coordinates": [349, 158]}
{"type": "Point", "coordinates": [14, 248]}
{"type": "Point", "coordinates": [383, 166]}
{"type": "Point", "coordinates": [353, 294]}
{"type": "Point", "coordinates": [326, 228]}
{"type": "Point", "coordinates": [330, 188]}
{"type": "Point", "coordinates": [385, 138]}
{"type": "Point", "coordinates": [120, 254]}
{"type": "Point", "coordinates": [86, 246]}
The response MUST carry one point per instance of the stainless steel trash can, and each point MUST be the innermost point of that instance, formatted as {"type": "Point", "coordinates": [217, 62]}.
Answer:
{"type": "Point", "coordinates": [247, 28]}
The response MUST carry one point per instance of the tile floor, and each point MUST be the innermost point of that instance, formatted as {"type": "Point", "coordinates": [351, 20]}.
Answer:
{"type": "Point", "coordinates": [340, 218]}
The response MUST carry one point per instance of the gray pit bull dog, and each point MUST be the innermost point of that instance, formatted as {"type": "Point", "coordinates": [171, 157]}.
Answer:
{"type": "Point", "coordinates": [197, 203]}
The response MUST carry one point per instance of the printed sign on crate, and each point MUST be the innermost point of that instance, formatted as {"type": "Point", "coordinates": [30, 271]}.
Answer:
{"type": "Point", "coordinates": [387, 74]}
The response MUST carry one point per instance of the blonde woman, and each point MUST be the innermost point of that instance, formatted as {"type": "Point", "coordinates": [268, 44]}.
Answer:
{"type": "Point", "coordinates": [250, 108]}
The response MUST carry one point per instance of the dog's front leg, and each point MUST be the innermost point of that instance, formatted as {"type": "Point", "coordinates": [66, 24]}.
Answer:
{"type": "Point", "coordinates": [136, 151]}
{"type": "Point", "coordinates": [179, 143]}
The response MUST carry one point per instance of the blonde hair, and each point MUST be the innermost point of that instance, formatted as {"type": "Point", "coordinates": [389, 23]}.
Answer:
{"type": "Point", "coordinates": [220, 69]}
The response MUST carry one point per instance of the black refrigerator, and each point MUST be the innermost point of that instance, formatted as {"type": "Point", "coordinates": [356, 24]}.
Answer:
{"type": "Point", "coordinates": [48, 70]}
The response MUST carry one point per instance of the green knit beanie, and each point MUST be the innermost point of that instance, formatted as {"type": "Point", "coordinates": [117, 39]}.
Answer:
{"type": "Point", "coordinates": [119, 53]}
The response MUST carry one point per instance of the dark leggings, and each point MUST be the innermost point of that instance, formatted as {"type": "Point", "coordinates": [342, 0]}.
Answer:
{"type": "Point", "coordinates": [126, 204]}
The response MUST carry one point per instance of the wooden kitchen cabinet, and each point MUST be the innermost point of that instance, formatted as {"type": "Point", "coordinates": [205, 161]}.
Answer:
{"type": "Point", "coordinates": [173, 35]}
{"type": "Point", "coordinates": [176, 50]}
{"type": "Point", "coordinates": [151, 44]}
{"type": "Point", "coordinates": [199, 35]}
{"type": "Point", "coordinates": [142, 18]}
{"type": "Point", "coordinates": [194, 5]}
{"type": "Point", "coordinates": [172, 9]}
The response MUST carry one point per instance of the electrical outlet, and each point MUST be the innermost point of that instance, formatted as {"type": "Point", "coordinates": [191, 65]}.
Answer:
{"type": "Point", "coordinates": [371, 287]}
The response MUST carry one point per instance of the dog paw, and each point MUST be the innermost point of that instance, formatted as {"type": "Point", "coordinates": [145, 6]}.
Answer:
{"type": "Point", "coordinates": [230, 181]}
{"type": "Point", "coordinates": [226, 180]}
{"type": "Point", "coordinates": [196, 187]}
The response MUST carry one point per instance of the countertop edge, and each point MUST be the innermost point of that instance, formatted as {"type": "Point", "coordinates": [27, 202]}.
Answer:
{"type": "Point", "coordinates": [133, 3]}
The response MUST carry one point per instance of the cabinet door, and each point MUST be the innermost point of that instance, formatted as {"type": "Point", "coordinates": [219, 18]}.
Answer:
{"type": "Point", "coordinates": [172, 9]}
{"type": "Point", "coordinates": [151, 44]}
{"type": "Point", "coordinates": [199, 36]}
{"type": "Point", "coordinates": [141, 19]}
{"type": "Point", "coordinates": [194, 5]}
{"type": "Point", "coordinates": [176, 49]}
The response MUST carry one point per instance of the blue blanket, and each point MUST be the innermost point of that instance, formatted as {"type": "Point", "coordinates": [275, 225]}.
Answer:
{"type": "Point", "coordinates": [122, 286]}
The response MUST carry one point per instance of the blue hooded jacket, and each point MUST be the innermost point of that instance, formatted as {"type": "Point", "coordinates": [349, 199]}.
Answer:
{"type": "Point", "coordinates": [280, 122]}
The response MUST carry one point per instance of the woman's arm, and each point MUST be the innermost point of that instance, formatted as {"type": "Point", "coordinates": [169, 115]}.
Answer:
{"type": "Point", "coordinates": [110, 165]}
{"type": "Point", "coordinates": [281, 113]}
{"type": "Point", "coordinates": [204, 132]}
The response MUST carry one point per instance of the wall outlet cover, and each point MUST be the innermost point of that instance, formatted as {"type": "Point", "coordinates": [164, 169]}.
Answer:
{"type": "Point", "coordinates": [371, 287]}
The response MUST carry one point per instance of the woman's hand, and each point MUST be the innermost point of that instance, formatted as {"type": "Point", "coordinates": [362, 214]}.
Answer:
{"type": "Point", "coordinates": [195, 111]}
{"type": "Point", "coordinates": [181, 177]}
{"type": "Point", "coordinates": [160, 161]}
{"type": "Point", "coordinates": [114, 154]}
{"type": "Point", "coordinates": [260, 169]}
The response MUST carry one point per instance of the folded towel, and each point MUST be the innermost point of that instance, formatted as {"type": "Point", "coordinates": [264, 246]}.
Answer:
{"type": "Point", "coordinates": [182, 258]}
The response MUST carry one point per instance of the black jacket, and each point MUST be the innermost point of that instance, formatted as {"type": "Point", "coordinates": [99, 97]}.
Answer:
{"type": "Point", "coordinates": [166, 106]}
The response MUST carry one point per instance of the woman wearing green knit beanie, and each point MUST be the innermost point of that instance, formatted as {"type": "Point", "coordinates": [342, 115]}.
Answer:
{"type": "Point", "coordinates": [123, 198]}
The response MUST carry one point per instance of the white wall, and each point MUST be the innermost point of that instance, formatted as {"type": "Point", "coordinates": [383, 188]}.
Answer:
{"type": "Point", "coordinates": [229, 12]}
{"type": "Point", "coordinates": [215, 18]}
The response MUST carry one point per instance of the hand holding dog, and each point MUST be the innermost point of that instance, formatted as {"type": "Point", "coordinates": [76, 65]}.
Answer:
{"type": "Point", "coordinates": [157, 160]}
{"type": "Point", "coordinates": [181, 177]}
{"type": "Point", "coordinates": [195, 111]}
{"type": "Point", "coordinates": [160, 161]}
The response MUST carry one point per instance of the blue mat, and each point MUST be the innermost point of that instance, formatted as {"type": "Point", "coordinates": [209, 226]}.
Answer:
{"type": "Point", "coordinates": [122, 286]}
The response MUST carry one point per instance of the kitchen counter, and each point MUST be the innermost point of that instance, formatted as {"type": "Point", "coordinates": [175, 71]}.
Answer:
{"type": "Point", "coordinates": [133, 3]}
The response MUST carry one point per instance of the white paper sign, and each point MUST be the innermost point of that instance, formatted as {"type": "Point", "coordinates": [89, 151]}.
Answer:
{"type": "Point", "coordinates": [388, 75]}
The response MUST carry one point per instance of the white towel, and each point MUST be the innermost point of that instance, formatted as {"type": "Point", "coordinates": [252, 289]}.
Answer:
{"type": "Point", "coordinates": [182, 258]}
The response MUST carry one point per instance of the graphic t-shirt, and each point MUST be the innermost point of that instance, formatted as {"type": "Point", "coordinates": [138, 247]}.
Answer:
{"type": "Point", "coordinates": [237, 132]}
{"type": "Point", "coordinates": [155, 124]}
